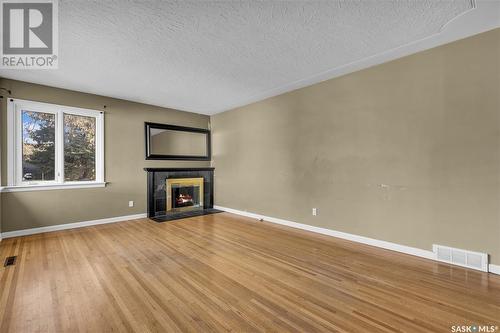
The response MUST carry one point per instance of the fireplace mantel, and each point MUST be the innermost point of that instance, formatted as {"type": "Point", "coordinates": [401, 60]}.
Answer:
{"type": "Point", "coordinates": [178, 169]}
{"type": "Point", "coordinates": [159, 208]}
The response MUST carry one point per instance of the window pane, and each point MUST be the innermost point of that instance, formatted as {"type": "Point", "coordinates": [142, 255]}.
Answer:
{"type": "Point", "coordinates": [79, 148]}
{"type": "Point", "coordinates": [38, 146]}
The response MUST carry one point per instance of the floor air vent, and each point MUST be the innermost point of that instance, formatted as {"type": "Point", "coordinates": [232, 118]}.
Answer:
{"type": "Point", "coordinates": [464, 258]}
{"type": "Point", "coordinates": [9, 261]}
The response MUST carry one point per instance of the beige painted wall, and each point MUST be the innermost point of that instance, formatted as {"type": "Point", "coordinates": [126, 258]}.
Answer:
{"type": "Point", "coordinates": [124, 161]}
{"type": "Point", "coordinates": [407, 151]}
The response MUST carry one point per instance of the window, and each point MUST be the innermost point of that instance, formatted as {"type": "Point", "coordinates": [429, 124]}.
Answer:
{"type": "Point", "coordinates": [39, 149]}
{"type": "Point", "coordinates": [53, 146]}
{"type": "Point", "coordinates": [79, 148]}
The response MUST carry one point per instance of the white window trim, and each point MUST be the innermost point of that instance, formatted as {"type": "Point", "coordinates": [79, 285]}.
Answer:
{"type": "Point", "coordinates": [14, 140]}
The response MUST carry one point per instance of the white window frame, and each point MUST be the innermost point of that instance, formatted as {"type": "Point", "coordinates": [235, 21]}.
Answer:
{"type": "Point", "coordinates": [15, 180]}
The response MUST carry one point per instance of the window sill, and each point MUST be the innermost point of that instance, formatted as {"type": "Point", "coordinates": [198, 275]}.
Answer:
{"type": "Point", "coordinates": [48, 187]}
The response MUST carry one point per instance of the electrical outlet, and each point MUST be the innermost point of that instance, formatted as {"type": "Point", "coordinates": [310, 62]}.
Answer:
{"type": "Point", "coordinates": [314, 211]}
{"type": "Point", "coordinates": [131, 204]}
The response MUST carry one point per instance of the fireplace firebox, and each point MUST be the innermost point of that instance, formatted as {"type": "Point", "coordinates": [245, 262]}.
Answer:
{"type": "Point", "coordinates": [184, 194]}
{"type": "Point", "coordinates": [175, 193]}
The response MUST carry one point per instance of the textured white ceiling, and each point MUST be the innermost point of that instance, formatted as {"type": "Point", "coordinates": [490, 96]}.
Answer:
{"type": "Point", "coordinates": [207, 57]}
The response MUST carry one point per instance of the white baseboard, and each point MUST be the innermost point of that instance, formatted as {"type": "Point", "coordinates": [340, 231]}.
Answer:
{"type": "Point", "coordinates": [82, 224]}
{"type": "Point", "coordinates": [355, 238]}
{"type": "Point", "coordinates": [495, 269]}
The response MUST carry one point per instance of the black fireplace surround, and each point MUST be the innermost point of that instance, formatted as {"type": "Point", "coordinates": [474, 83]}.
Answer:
{"type": "Point", "coordinates": [158, 196]}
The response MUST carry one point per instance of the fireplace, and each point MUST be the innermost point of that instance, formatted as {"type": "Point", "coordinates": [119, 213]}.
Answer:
{"type": "Point", "coordinates": [184, 194]}
{"type": "Point", "coordinates": [175, 193]}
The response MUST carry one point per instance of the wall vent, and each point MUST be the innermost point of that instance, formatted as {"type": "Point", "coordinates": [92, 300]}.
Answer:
{"type": "Point", "coordinates": [464, 258]}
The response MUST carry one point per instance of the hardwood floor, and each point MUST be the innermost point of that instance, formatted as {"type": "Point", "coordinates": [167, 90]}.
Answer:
{"type": "Point", "coordinates": [228, 273]}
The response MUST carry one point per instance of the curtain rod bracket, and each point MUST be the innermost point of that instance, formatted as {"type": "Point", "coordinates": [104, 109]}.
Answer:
{"type": "Point", "coordinates": [7, 90]}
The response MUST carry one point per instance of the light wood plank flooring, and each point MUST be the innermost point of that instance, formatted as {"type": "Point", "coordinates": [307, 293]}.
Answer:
{"type": "Point", "coordinates": [228, 273]}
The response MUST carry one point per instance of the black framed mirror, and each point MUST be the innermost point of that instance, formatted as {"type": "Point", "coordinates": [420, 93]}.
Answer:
{"type": "Point", "coordinates": [172, 142]}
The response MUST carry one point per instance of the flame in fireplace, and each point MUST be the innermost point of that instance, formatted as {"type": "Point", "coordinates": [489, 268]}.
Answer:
{"type": "Point", "coordinates": [183, 199]}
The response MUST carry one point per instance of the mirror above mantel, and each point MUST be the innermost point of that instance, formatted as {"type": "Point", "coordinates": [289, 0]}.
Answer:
{"type": "Point", "coordinates": [172, 142]}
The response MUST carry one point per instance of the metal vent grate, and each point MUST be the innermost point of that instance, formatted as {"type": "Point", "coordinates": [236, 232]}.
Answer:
{"type": "Point", "coordinates": [464, 258]}
{"type": "Point", "coordinates": [9, 261]}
